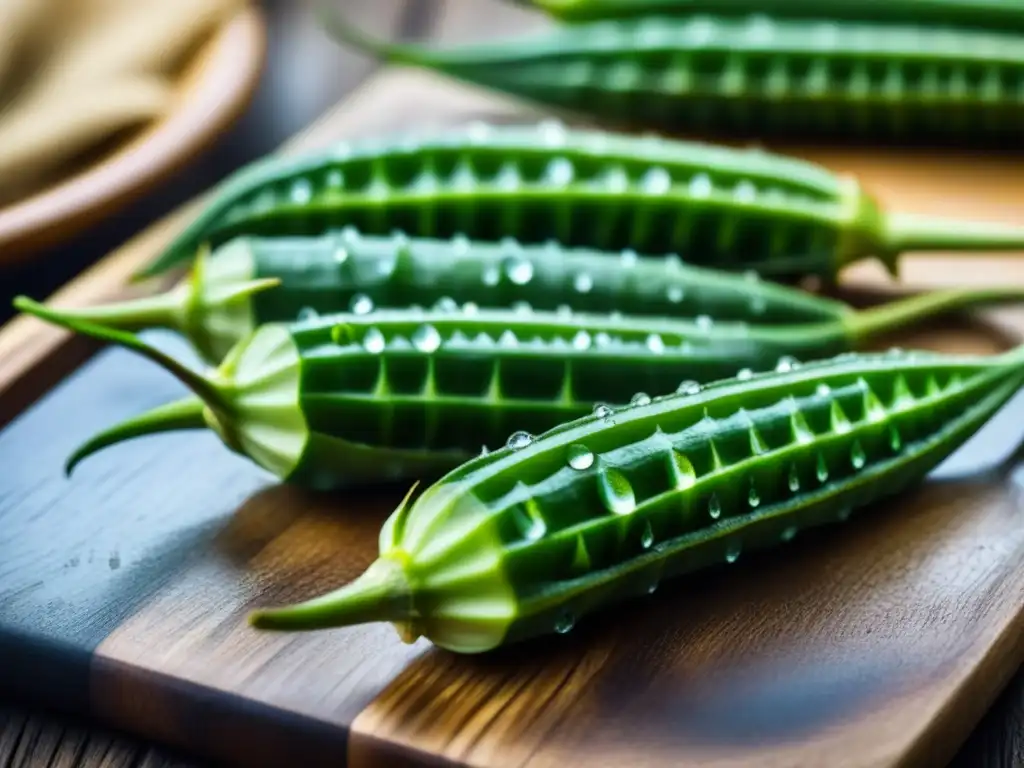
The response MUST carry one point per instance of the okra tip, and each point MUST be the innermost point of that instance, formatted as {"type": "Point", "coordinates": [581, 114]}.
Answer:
{"type": "Point", "coordinates": [381, 593]}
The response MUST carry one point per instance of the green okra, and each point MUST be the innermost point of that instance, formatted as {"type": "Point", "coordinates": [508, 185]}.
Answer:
{"type": "Point", "coordinates": [531, 539]}
{"type": "Point", "coordinates": [397, 394]}
{"type": "Point", "coordinates": [714, 206]}
{"type": "Point", "coordinates": [751, 74]}
{"type": "Point", "coordinates": [1000, 15]}
{"type": "Point", "coordinates": [228, 293]}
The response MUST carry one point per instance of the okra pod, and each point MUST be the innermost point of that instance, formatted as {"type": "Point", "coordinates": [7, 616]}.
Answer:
{"type": "Point", "coordinates": [714, 206]}
{"type": "Point", "coordinates": [531, 539]}
{"type": "Point", "coordinates": [748, 74]}
{"type": "Point", "coordinates": [397, 394]}
{"type": "Point", "coordinates": [227, 295]}
{"type": "Point", "coordinates": [999, 15]}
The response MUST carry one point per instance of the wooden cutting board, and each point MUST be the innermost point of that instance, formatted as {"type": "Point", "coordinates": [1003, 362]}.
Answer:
{"type": "Point", "coordinates": [124, 590]}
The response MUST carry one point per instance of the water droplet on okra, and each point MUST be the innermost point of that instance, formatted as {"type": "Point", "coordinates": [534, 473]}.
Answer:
{"type": "Point", "coordinates": [714, 507]}
{"type": "Point", "coordinates": [616, 491]}
{"type": "Point", "coordinates": [448, 304]}
{"type": "Point", "coordinates": [787, 363]}
{"type": "Point", "coordinates": [895, 441]}
{"type": "Point", "coordinates": [701, 185]}
{"type": "Point", "coordinates": [821, 472]}
{"type": "Point", "coordinates": [361, 304]}
{"type": "Point", "coordinates": [519, 440]}
{"type": "Point", "coordinates": [426, 339]}
{"type": "Point", "coordinates": [688, 387]}
{"type": "Point", "coordinates": [823, 390]}
{"type": "Point", "coordinates": [656, 181]}
{"type": "Point", "coordinates": [745, 191]}
{"type": "Point", "coordinates": [518, 270]}
{"type": "Point", "coordinates": [744, 374]}
{"type": "Point", "coordinates": [704, 322]}
{"type": "Point", "coordinates": [732, 551]}
{"type": "Point", "coordinates": [794, 479]}
{"type": "Point", "coordinates": [675, 294]}
{"type": "Point", "coordinates": [565, 622]}
{"type": "Point", "coordinates": [580, 457]}
{"type": "Point", "coordinates": [647, 535]}
{"type": "Point", "coordinates": [508, 339]}
{"type": "Point", "coordinates": [655, 344]}
{"type": "Point", "coordinates": [752, 496]}
{"type": "Point", "coordinates": [857, 456]}
{"type": "Point", "coordinates": [374, 341]}
{"type": "Point", "coordinates": [581, 340]}
{"type": "Point", "coordinates": [340, 254]}
{"type": "Point", "coordinates": [491, 275]}
{"type": "Point", "coordinates": [629, 258]}
{"type": "Point", "coordinates": [603, 411]}
{"type": "Point", "coordinates": [583, 283]}
{"type": "Point", "coordinates": [306, 314]}
{"type": "Point", "coordinates": [530, 521]}
{"type": "Point", "coordinates": [640, 399]}
{"type": "Point", "coordinates": [301, 192]}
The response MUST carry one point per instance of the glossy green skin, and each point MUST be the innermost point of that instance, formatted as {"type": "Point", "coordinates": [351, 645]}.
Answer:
{"type": "Point", "coordinates": [728, 208]}
{"type": "Point", "coordinates": [998, 15]}
{"type": "Point", "coordinates": [753, 75]}
{"type": "Point", "coordinates": [350, 272]}
{"type": "Point", "coordinates": [427, 390]}
{"type": "Point", "coordinates": [573, 540]}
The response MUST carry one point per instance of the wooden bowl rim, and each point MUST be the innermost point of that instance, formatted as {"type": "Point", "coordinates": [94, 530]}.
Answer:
{"type": "Point", "coordinates": [215, 88]}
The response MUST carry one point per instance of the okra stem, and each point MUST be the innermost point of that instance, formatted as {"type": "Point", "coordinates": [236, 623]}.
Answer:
{"type": "Point", "coordinates": [181, 414]}
{"type": "Point", "coordinates": [916, 232]}
{"type": "Point", "coordinates": [905, 312]}
{"type": "Point", "coordinates": [382, 593]}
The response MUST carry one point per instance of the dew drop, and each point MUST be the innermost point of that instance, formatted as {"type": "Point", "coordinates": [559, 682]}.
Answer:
{"type": "Point", "coordinates": [340, 255]}
{"type": "Point", "coordinates": [565, 622]}
{"type": "Point", "coordinates": [704, 322]}
{"type": "Point", "coordinates": [794, 479]}
{"type": "Point", "coordinates": [519, 440]}
{"type": "Point", "coordinates": [701, 186]}
{"type": "Point", "coordinates": [656, 344]}
{"type": "Point", "coordinates": [518, 270]}
{"type": "Point", "coordinates": [374, 341]}
{"type": "Point", "coordinates": [581, 340]}
{"type": "Point", "coordinates": [786, 364]}
{"type": "Point", "coordinates": [640, 399]}
{"type": "Point", "coordinates": [752, 497]}
{"type": "Point", "coordinates": [302, 191]}
{"type": "Point", "coordinates": [508, 339]}
{"type": "Point", "coordinates": [426, 339]}
{"type": "Point", "coordinates": [857, 457]}
{"type": "Point", "coordinates": [580, 457]}
{"type": "Point", "coordinates": [688, 387]}
{"type": "Point", "coordinates": [656, 181]}
{"type": "Point", "coordinates": [824, 390]}
{"type": "Point", "coordinates": [306, 314]}
{"type": "Point", "coordinates": [758, 305]}
{"type": "Point", "coordinates": [583, 283]}
{"type": "Point", "coordinates": [603, 339]}
{"type": "Point", "coordinates": [361, 304]}
{"type": "Point", "coordinates": [653, 587]}
{"type": "Point", "coordinates": [789, 533]}
{"type": "Point", "coordinates": [675, 294]}
{"type": "Point", "coordinates": [895, 441]}
{"type": "Point", "coordinates": [491, 275]}
{"type": "Point", "coordinates": [563, 310]}
{"type": "Point", "coordinates": [822, 470]}
{"type": "Point", "coordinates": [560, 172]}
{"type": "Point", "coordinates": [745, 191]}
{"type": "Point", "coordinates": [744, 374]}
{"type": "Point", "coordinates": [629, 258]}
{"type": "Point", "coordinates": [647, 536]}
{"type": "Point", "coordinates": [446, 304]}
{"type": "Point", "coordinates": [602, 411]}
{"type": "Point", "coordinates": [522, 307]}
{"type": "Point", "coordinates": [732, 552]}
{"type": "Point", "coordinates": [714, 507]}
{"type": "Point", "coordinates": [616, 492]}
{"type": "Point", "coordinates": [470, 308]}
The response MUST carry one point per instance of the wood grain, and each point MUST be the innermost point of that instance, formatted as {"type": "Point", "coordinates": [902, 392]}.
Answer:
{"type": "Point", "coordinates": [882, 644]}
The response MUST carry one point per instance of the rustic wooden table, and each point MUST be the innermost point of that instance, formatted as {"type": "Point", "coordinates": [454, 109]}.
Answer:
{"type": "Point", "coordinates": [299, 55]}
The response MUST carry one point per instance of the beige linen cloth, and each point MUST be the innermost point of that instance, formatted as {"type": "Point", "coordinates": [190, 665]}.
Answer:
{"type": "Point", "coordinates": [75, 75]}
